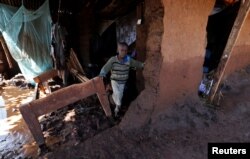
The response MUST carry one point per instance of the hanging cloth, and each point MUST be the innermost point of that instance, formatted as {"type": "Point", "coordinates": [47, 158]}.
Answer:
{"type": "Point", "coordinates": [60, 49]}
{"type": "Point", "coordinates": [27, 35]}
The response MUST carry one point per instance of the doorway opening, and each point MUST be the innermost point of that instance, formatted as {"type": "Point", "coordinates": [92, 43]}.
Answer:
{"type": "Point", "coordinates": [219, 26]}
{"type": "Point", "coordinates": [104, 46]}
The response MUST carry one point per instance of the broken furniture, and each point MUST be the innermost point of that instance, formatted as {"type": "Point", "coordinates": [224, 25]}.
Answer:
{"type": "Point", "coordinates": [61, 98]}
{"type": "Point", "coordinates": [73, 65]}
{"type": "Point", "coordinates": [42, 79]}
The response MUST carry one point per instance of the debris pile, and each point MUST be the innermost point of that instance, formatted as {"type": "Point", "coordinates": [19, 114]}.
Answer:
{"type": "Point", "coordinates": [75, 123]}
{"type": "Point", "coordinates": [18, 81]}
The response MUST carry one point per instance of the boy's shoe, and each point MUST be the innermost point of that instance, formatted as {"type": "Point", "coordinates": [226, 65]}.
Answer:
{"type": "Point", "coordinates": [205, 87]}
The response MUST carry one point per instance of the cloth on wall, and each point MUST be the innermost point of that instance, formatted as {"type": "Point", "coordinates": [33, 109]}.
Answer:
{"type": "Point", "coordinates": [27, 35]}
{"type": "Point", "coordinates": [59, 50]}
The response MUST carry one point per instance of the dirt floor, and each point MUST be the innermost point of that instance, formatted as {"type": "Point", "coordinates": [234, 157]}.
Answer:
{"type": "Point", "coordinates": [81, 131]}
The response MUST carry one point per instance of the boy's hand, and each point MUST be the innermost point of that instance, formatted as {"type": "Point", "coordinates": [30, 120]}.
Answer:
{"type": "Point", "coordinates": [108, 87]}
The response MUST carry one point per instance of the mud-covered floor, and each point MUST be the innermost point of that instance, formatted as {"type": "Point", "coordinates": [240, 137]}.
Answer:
{"type": "Point", "coordinates": [14, 137]}
{"type": "Point", "coordinates": [81, 131]}
{"type": "Point", "coordinates": [65, 127]}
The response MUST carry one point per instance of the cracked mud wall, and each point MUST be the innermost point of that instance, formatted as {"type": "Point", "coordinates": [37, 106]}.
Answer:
{"type": "Point", "coordinates": [149, 38]}
{"type": "Point", "coordinates": [174, 37]}
{"type": "Point", "coordinates": [175, 44]}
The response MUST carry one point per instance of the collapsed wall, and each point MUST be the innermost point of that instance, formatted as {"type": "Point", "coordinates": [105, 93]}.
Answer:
{"type": "Point", "coordinates": [175, 44]}
{"type": "Point", "coordinates": [174, 33]}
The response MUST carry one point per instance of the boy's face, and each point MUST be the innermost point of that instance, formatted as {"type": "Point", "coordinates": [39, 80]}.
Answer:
{"type": "Point", "coordinates": [122, 50]}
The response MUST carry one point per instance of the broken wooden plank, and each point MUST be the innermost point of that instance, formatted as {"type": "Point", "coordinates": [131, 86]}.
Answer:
{"type": "Point", "coordinates": [42, 79]}
{"type": "Point", "coordinates": [6, 52]}
{"type": "Point", "coordinates": [102, 96]}
{"type": "Point", "coordinates": [61, 98]}
{"type": "Point", "coordinates": [33, 124]}
{"type": "Point", "coordinates": [74, 62]}
{"type": "Point", "coordinates": [36, 92]}
{"type": "Point", "coordinates": [46, 76]}
{"type": "Point", "coordinates": [78, 75]}
{"type": "Point", "coordinates": [242, 14]}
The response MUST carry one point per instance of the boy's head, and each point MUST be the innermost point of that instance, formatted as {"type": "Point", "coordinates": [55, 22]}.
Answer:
{"type": "Point", "coordinates": [122, 49]}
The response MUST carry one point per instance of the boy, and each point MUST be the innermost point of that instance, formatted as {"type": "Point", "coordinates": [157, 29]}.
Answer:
{"type": "Point", "coordinates": [119, 66]}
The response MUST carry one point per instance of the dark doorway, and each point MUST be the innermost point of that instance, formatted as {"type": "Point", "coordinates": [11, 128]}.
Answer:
{"type": "Point", "coordinates": [103, 46]}
{"type": "Point", "coordinates": [219, 26]}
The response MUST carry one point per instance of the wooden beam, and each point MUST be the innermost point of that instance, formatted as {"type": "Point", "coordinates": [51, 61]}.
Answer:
{"type": "Point", "coordinates": [61, 98]}
{"type": "Point", "coordinates": [102, 96]}
{"type": "Point", "coordinates": [45, 76]}
{"type": "Point", "coordinates": [242, 14]}
{"type": "Point", "coordinates": [74, 62]}
{"type": "Point", "coordinates": [42, 78]}
{"type": "Point", "coordinates": [6, 51]}
{"type": "Point", "coordinates": [78, 75]}
{"type": "Point", "coordinates": [33, 124]}
{"type": "Point", "coordinates": [36, 92]}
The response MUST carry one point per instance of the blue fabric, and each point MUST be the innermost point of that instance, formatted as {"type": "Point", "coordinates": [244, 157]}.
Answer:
{"type": "Point", "coordinates": [28, 37]}
{"type": "Point", "coordinates": [125, 59]}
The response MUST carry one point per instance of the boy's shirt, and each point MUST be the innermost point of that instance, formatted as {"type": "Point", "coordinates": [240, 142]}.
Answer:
{"type": "Point", "coordinates": [120, 69]}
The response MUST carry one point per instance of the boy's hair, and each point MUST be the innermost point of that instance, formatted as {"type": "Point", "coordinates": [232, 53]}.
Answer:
{"type": "Point", "coordinates": [122, 44]}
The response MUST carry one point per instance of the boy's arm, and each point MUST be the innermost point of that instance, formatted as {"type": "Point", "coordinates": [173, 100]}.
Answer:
{"type": "Point", "coordinates": [106, 68]}
{"type": "Point", "coordinates": [136, 64]}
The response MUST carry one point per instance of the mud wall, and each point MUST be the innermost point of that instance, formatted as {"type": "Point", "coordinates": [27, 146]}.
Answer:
{"type": "Point", "coordinates": [183, 48]}
{"type": "Point", "coordinates": [240, 56]}
{"type": "Point", "coordinates": [175, 44]}
{"type": "Point", "coordinates": [149, 37]}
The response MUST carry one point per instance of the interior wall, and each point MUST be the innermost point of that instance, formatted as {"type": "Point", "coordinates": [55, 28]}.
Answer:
{"type": "Point", "coordinates": [85, 28]}
{"type": "Point", "coordinates": [240, 56]}
{"type": "Point", "coordinates": [183, 49]}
